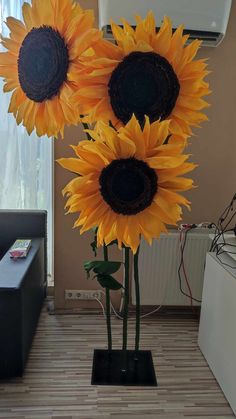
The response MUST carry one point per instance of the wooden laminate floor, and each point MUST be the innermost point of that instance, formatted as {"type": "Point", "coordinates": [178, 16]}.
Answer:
{"type": "Point", "coordinates": [56, 383]}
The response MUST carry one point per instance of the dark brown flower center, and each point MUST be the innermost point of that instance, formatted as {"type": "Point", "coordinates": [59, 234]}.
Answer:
{"type": "Point", "coordinates": [128, 185]}
{"type": "Point", "coordinates": [43, 63]}
{"type": "Point", "coordinates": [144, 83]}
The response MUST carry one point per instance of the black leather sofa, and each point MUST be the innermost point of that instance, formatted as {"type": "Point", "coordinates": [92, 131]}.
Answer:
{"type": "Point", "coordinates": [23, 285]}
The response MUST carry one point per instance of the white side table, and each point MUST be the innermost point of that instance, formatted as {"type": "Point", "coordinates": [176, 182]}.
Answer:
{"type": "Point", "coordinates": [217, 331]}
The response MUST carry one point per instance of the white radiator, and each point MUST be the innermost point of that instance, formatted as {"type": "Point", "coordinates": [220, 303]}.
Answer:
{"type": "Point", "coordinates": [158, 268]}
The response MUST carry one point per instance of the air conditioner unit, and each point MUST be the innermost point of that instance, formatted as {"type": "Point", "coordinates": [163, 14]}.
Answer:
{"type": "Point", "coordinates": [203, 19]}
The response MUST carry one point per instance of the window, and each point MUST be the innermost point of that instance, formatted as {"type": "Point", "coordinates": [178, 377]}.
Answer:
{"type": "Point", "coordinates": [26, 163]}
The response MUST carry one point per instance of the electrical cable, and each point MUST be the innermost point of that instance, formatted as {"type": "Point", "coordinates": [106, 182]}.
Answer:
{"type": "Point", "coordinates": [151, 312]}
{"type": "Point", "coordinates": [113, 308]}
{"type": "Point", "coordinates": [184, 270]}
{"type": "Point", "coordinates": [103, 309]}
{"type": "Point", "coordinates": [181, 264]}
{"type": "Point", "coordinates": [224, 263]}
{"type": "Point", "coordinates": [221, 229]}
{"type": "Point", "coordinates": [229, 221]}
{"type": "Point", "coordinates": [118, 315]}
{"type": "Point", "coordinates": [189, 227]}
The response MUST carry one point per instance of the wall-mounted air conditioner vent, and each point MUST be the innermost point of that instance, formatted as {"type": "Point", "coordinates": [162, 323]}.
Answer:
{"type": "Point", "coordinates": [206, 20]}
{"type": "Point", "coordinates": [210, 39]}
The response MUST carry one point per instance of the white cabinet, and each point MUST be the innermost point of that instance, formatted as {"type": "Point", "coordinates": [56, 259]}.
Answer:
{"type": "Point", "coordinates": [217, 332]}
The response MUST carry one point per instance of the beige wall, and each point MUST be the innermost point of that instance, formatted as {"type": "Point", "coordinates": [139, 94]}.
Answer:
{"type": "Point", "coordinates": [71, 249]}
{"type": "Point", "coordinates": [213, 148]}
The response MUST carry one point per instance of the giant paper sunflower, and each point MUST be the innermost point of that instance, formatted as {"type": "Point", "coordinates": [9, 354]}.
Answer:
{"type": "Point", "coordinates": [43, 53]}
{"type": "Point", "coordinates": [128, 182]}
{"type": "Point", "coordinates": [146, 73]}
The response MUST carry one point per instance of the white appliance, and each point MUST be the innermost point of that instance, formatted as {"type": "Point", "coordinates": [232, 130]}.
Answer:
{"type": "Point", "coordinates": [159, 263]}
{"type": "Point", "coordinates": [217, 332]}
{"type": "Point", "coordinates": [203, 19]}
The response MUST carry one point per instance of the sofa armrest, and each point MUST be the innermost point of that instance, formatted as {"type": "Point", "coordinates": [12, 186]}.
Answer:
{"type": "Point", "coordinates": [21, 299]}
{"type": "Point", "coordinates": [23, 224]}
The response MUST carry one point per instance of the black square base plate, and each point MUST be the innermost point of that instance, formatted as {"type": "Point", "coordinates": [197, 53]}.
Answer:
{"type": "Point", "coordinates": [108, 368]}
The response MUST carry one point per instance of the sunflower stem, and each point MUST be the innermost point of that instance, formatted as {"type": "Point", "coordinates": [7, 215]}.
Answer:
{"type": "Point", "coordinates": [86, 126]}
{"type": "Point", "coordinates": [137, 297]}
{"type": "Point", "coordinates": [108, 306]}
{"type": "Point", "coordinates": [126, 309]}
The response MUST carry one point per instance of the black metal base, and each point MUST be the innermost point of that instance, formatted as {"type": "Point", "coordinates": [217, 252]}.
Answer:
{"type": "Point", "coordinates": [112, 369]}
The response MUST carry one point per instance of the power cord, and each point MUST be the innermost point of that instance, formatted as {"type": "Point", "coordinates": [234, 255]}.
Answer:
{"type": "Point", "coordinates": [221, 228]}
{"type": "Point", "coordinates": [184, 270]}
{"type": "Point", "coordinates": [182, 266]}
{"type": "Point", "coordinates": [184, 229]}
{"type": "Point", "coordinates": [117, 314]}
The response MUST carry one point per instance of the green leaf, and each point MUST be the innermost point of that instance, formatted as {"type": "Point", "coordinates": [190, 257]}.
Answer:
{"type": "Point", "coordinates": [107, 281]}
{"type": "Point", "coordinates": [101, 267]}
{"type": "Point", "coordinates": [107, 267]}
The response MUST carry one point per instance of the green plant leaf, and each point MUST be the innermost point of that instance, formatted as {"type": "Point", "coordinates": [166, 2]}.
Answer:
{"type": "Point", "coordinates": [101, 267]}
{"type": "Point", "coordinates": [107, 281]}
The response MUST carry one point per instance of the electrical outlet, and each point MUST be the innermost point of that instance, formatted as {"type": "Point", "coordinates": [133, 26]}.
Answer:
{"type": "Point", "coordinates": [82, 294]}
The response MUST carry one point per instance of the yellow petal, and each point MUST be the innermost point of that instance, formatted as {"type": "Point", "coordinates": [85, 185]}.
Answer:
{"type": "Point", "coordinates": [193, 117]}
{"type": "Point", "coordinates": [22, 110]}
{"type": "Point", "coordinates": [178, 184]}
{"type": "Point", "coordinates": [191, 50]}
{"type": "Point", "coordinates": [132, 132]}
{"type": "Point", "coordinates": [27, 16]}
{"type": "Point", "coordinates": [6, 58]}
{"type": "Point", "coordinates": [164, 214]}
{"type": "Point", "coordinates": [10, 44]}
{"type": "Point", "coordinates": [166, 174]}
{"type": "Point", "coordinates": [129, 45]}
{"type": "Point", "coordinates": [176, 49]}
{"type": "Point", "coordinates": [96, 92]}
{"type": "Point", "coordinates": [127, 147]}
{"type": "Point", "coordinates": [83, 42]}
{"type": "Point", "coordinates": [171, 196]}
{"type": "Point", "coordinates": [117, 32]}
{"type": "Point", "coordinates": [164, 162]}
{"type": "Point", "coordinates": [17, 28]}
{"type": "Point", "coordinates": [75, 165]}
{"type": "Point", "coordinates": [109, 135]}
{"type": "Point", "coordinates": [127, 28]}
{"type": "Point", "coordinates": [42, 13]}
{"type": "Point", "coordinates": [163, 39]}
{"type": "Point", "coordinates": [40, 120]}
{"type": "Point", "coordinates": [168, 150]}
{"type": "Point", "coordinates": [158, 133]}
{"type": "Point", "coordinates": [74, 185]}
{"type": "Point", "coordinates": [150, 225]}
{"type": "Point", "coordinates": [192, 103]}
{"type": "Point", "coordinates": [141, 32]}
{"type": "Point", "coordinates": [132, 234]}
{"type": "Point", "coordinates": [10, 85]}
{"type": "Point", "coordinates": [92, 158]}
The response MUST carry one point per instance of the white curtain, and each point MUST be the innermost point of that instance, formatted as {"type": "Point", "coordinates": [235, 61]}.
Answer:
{"type": "Point", "coordinates": [26, 162]}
